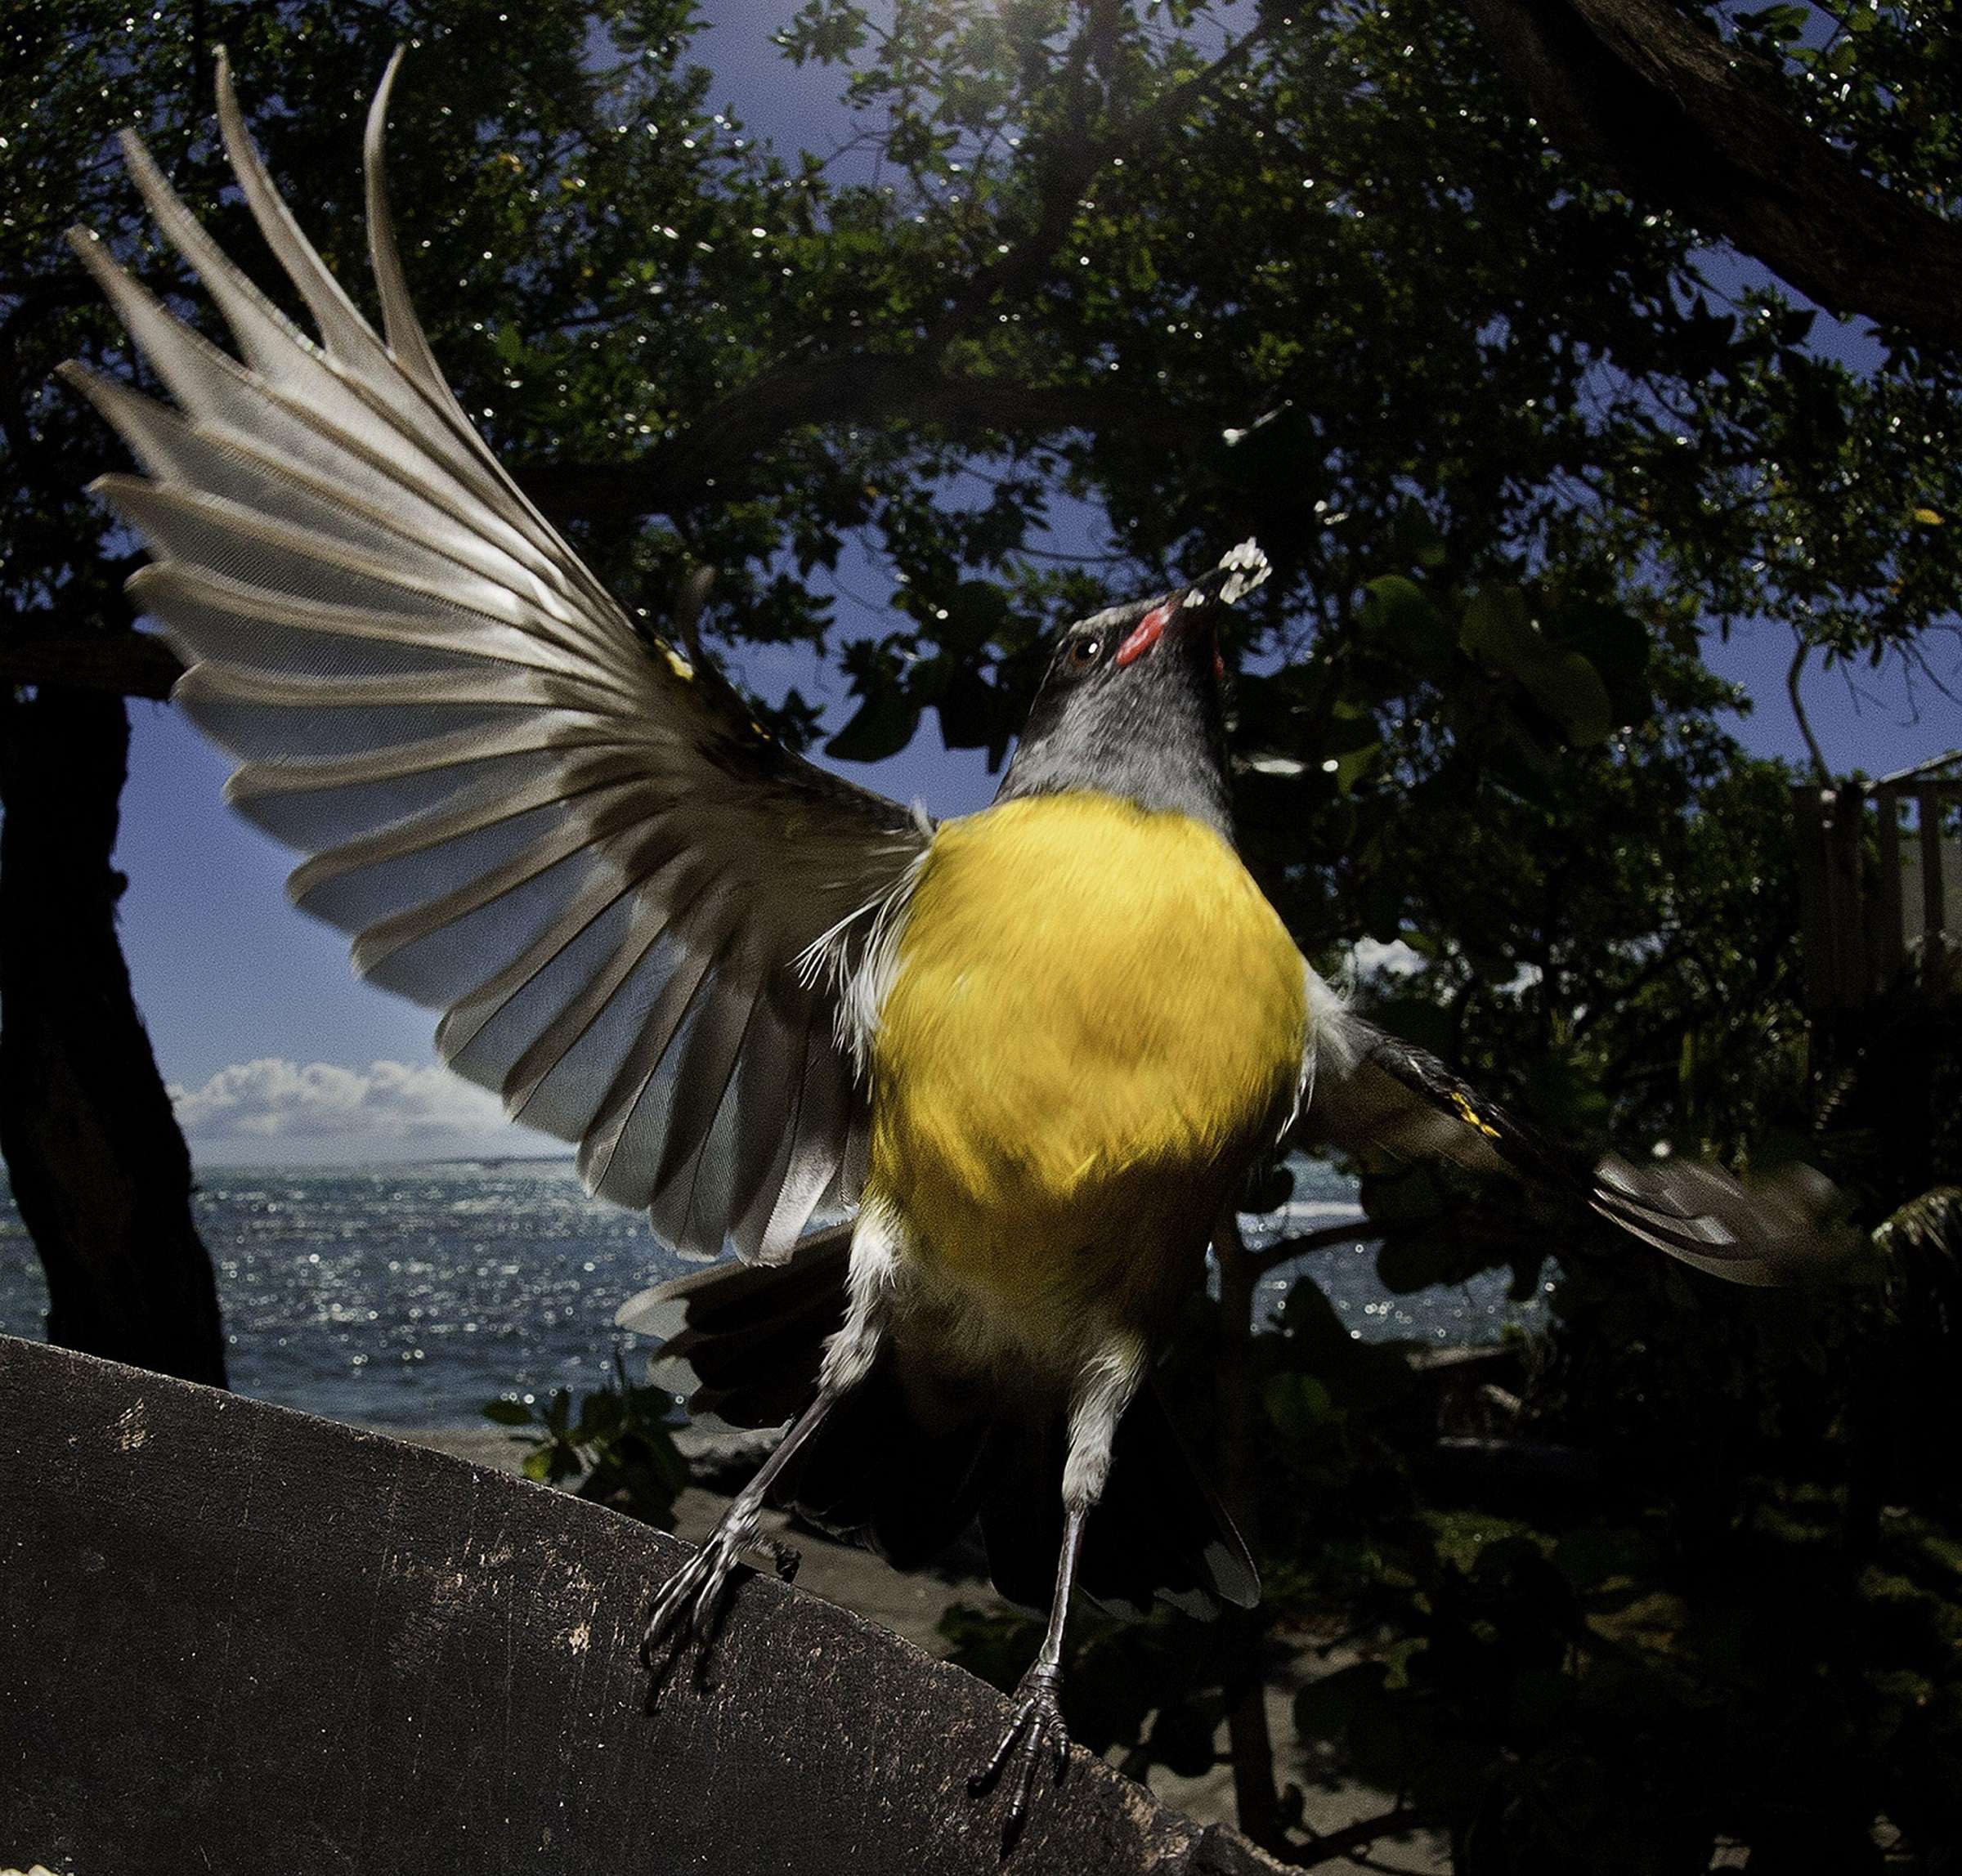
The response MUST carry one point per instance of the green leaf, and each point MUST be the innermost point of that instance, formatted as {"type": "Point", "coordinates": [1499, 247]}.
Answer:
{"type": "Point", "coordinates": [1392, 600]}
{"type": "Point", "coordinates": [1541, 1698]}
{"type": "Point", "coordinates": [1298, 1405]}
{"type": "Point", "coordinates": [537, 1465]}
{"type": "Point", "coordinates": [508, 1412]}
{"type": "Point", "coordinates": [1498, 631]}
{"type": "Point", "coordinates": [1594, 1553]}
{"type": "Point", "coordinates": [976, 610]}
{"type": "Point", "coordinates": [1615, 642]}
{"type": "Point", "coordinates": [1316, 1332]}
{"type": "Point", "coordinates": [823, 32]}
{"type": "Point", "coordinates": [1785, 21]}
{"type": "Point", "coordinates": [1402, 1199]}
{"type": "Point", "coordinates": [1566, 1097]}
{"type": "Point", "coordinates": [1403, 626]}
{"type": "Point", "coordinates": [1372, 1376]}
{"type": "Point", "coordinates": [884, 724]}
{"type": "Point", "coordinates": [1522, 769]}
{"type": "Point", "coordinates": [1351, 766]}
{"type": "Point", "coordinates": [1416, 537]}
{"type": "Point", "coordinates": [1570, 690]}
{"type": "Point", "coordinates": [1408, 1264]}
{"type": "Point", "coordinates": [599, 1418]}
{"type": "Point", "coordinates": [971, 711]}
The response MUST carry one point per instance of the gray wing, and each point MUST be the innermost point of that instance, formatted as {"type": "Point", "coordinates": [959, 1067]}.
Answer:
{"type": "Point", "coordinates": [528, 815]}
{"type": "Point", "coordinates": [1372, 1090]}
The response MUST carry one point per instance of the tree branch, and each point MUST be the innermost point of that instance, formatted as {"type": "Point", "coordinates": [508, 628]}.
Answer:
{"type": "Point", "coordinates": [1678, 117]}
{"type": "Point", "coordinates": [135, 664]}
{"type": "Point", "coordinates": [864, 387]}
{"type": "Point", "coordinates": [1821, 769]}
{"type": "Point", "coordinates": [1062, 195]}
{"type": "Point", "coordinates": [1355, 1231]}
{"type": "Point", "coordinates": [802, 389]}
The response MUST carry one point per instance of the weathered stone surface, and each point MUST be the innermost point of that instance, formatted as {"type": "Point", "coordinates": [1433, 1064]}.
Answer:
{"type": "Point", "coordinates": [238, 1639]}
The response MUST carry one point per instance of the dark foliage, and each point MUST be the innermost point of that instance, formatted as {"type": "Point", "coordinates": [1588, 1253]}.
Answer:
{"type": "Point", "coordinates": [1517, 441]}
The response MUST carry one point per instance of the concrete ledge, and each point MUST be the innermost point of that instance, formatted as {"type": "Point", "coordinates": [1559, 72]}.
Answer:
{"type": "Point", "coordinates": [237, 1639]}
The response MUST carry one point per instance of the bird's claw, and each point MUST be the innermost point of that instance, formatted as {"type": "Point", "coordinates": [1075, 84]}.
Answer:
{"type": "Point", "coordinates": [786, 1557]}
{"type": "Point", "coordinates": [1036, 1727]}
{"type": "Point", "coordinates": [691, 1601]}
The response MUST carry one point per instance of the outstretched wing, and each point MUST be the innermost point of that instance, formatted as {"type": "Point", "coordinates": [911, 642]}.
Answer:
{"type": "Point", "coordinates": [528, 815]}
{"type": "Point", "coordinates": [1371, 1089]}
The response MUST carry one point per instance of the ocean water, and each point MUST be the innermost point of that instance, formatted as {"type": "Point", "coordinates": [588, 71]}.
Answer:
{"type": "Point", "coordinates": [410, 1294]}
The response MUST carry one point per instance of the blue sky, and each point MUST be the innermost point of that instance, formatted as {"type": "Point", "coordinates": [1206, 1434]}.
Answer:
{"type": "Point", "coordinates": [282, 1055]}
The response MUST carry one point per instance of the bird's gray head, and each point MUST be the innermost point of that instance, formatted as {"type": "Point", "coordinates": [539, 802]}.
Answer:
{"type": "Point", "coordinates": [1131, 704]}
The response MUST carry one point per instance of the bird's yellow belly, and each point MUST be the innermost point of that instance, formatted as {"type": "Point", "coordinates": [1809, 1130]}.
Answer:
{"type": "Point", "coordinates": [1095, 1019]}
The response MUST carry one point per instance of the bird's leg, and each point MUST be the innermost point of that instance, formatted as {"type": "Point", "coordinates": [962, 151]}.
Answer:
{"type": "Point", "coordinates": [690, 1601]}
{"type": "Point", "coordinates": [1036, 1727]}
{"type": "Point", "coordinates": [1036, 1724]}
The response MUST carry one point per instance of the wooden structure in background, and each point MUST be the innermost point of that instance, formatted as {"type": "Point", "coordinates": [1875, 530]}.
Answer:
{"type": "Point", "coordinates": [1877, 897]}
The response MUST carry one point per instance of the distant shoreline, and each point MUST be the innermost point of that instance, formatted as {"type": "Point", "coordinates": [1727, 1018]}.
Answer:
{"type": "Point", "coordinates": [318, 1166]}
{"type": "Point", "coordinates": [404, 1294]}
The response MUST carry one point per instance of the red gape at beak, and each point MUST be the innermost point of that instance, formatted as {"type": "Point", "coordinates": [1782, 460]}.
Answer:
{"type": "Point", "coordinates": [1151, 627]}
{"type": "Point", "coordinates": [1145, 634]}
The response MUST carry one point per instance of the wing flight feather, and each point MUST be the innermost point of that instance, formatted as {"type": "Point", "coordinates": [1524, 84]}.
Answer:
{"type": "Point", "coordinates": [1372, 1090]}
{"type": "Point", "coordinates": [525, 813]}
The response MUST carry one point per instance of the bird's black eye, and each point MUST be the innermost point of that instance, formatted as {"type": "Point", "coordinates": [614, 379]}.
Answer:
{"type": "Point", "coordinates": [1084, 652]}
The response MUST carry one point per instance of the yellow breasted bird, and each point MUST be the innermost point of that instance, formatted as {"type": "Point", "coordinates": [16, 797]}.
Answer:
{"type": "Point", "coordinates": [1035, 1050]}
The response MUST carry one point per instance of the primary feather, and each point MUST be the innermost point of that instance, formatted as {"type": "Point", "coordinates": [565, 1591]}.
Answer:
{"type": "Point", "coordinates": [1375, 1092]}
{"type": "Point", "coordinates": [524, 815]}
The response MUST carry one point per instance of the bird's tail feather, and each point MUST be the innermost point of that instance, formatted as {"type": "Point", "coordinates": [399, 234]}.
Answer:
{"type": "Point", "coordinates": [881, 1471]}
{"type": "Point", "coordinates": [1157, 1532]}
{"type": "Point", "coordinates": [743, 1341]}
{"type": "Point", "coordinates": [907, 1460]}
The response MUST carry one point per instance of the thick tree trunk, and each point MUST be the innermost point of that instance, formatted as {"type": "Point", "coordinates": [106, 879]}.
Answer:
{"type": "Point", "coordinates": [1677, 118]}
{"type": "Point", "coordinates": [101, 1172]}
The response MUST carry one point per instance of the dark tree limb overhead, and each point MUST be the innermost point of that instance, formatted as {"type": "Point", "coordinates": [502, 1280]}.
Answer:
{"type": "Point", "coordinates": [1677, 117]}
{"type": "Point", "coordinates": [814, 386]}
{"type": "Point", "coordinates": [861, 388]}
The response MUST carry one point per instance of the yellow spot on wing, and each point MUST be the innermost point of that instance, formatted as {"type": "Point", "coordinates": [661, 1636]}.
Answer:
{"type": "Point", "coordinates": [677, 663]}
{"type": "Point", "coordinates": [1471, 1117]}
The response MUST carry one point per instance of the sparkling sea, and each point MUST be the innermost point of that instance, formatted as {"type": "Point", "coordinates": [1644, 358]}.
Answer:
{"type": "Point", "coordinates": [409, 1294]}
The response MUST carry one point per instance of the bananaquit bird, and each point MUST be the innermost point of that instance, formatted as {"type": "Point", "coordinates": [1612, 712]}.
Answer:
{"type": "Point", "coordinates": [1036, 1049]}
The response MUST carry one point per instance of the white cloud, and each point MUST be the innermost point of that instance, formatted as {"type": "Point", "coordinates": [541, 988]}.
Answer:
{"type": "Point", "coordinates": [275, 1109]}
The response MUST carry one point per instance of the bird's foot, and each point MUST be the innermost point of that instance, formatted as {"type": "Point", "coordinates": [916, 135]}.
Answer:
{"type": "Point", "coordinates": [1036, 1729]}
{"type": "Point", "coordinates": [691, 1601]}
